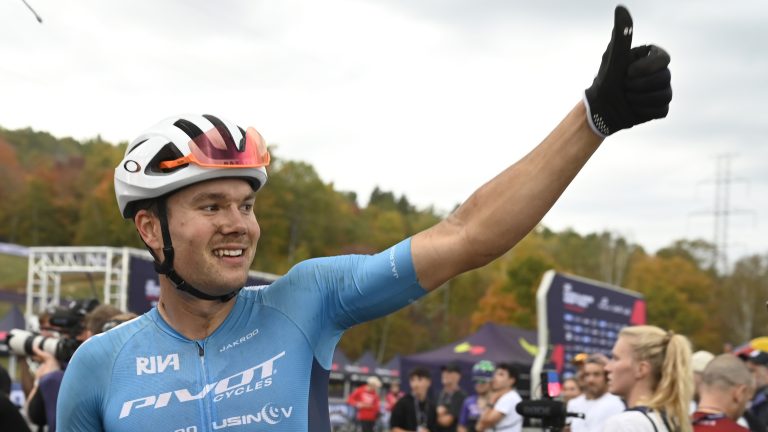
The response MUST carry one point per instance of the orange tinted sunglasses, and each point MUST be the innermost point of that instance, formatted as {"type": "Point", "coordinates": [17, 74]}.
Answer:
{"type": "Point", "coordinates": [210, 150]}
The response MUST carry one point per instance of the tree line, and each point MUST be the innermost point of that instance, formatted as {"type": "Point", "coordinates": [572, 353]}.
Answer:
{"type": "Point", "coordinates": [60, 192]}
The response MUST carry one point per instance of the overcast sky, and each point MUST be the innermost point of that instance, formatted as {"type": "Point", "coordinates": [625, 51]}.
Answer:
{"type": "Point", "coordinates": [427, 98]}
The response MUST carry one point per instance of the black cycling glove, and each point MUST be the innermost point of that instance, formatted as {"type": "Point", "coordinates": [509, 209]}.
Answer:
{"type": "Point", "coordinates": [632, 85]}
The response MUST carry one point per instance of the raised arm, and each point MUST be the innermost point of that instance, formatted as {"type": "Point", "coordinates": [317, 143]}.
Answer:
{"type": "Point", "coordinates": [631, 87]}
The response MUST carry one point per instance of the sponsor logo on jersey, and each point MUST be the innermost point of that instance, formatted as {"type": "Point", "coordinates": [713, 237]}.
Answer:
{"type": "Point", "coordinates": [242, 340]}
{"type": "Point", "coordinates": [156, 364]}
{"type": "Point", "coordinates": [269, 414]}
{"type": "Point", "coordinates": [393, 263]}
{"type": "Point", "coordinates": [246, 381]}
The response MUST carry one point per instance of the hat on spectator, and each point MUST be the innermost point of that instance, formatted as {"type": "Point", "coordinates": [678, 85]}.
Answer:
{"type": "Point", "coordinates": [757, 357]}
{"type": "Point", "coordinates": [700, 360]}
{"type": "Point", "coordinates": [483, 371]}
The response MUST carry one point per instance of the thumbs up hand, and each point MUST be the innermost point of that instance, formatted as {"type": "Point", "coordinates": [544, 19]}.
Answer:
{"type": "Point", "coordinates": [632, 85]}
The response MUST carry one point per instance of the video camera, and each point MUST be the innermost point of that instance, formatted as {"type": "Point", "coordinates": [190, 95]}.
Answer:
{"type": "Point", "coordinates": [68, 321]}
{"type": "Point", "coordinates": [551, 412]}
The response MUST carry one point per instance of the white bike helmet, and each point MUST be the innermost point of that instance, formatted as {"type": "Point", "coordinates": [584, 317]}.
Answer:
{"type": "Point", "coordinates": [180, 151]}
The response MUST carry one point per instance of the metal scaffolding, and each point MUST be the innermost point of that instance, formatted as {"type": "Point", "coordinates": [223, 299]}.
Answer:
{"type": "Point", "coordinates": [47, 264]}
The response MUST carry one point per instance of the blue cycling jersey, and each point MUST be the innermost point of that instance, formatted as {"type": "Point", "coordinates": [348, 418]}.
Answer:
{"type": "Point", "coordinates": [265, 368]}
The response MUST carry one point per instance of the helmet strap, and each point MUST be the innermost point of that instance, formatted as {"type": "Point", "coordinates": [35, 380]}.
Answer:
{"type": "Point", "coordinates": [166, 267]}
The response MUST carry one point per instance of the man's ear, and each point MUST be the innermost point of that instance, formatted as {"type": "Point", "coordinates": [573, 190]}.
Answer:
{"type": "Point", "coordinates": [148, 226]}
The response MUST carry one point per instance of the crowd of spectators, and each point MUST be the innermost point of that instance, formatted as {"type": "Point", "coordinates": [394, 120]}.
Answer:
{"type": "Point", "coordinates": [651, 381]}
{"type": "Point", "coordinates": [41, 371]}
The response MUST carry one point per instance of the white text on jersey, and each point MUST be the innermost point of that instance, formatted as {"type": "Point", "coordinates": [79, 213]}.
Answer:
{"type": "Point", "coordinates": [156, 364]}
{"type": "Point", "coordinates": [236, 384]}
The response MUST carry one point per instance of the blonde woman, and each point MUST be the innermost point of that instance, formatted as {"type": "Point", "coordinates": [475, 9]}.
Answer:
{"type": "Point", "coordinates": [651, 370]}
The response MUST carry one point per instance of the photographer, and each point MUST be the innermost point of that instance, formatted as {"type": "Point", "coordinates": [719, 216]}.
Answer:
{"type": "Point", "coordinates": [74, 324]}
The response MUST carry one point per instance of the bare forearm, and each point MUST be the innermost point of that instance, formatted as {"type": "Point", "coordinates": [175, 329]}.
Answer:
{"type": "Point", "coordinates": [504, 210]}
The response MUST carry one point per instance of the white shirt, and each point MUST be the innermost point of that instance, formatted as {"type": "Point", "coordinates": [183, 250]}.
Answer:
{"type": "Point", "coordinates": [512, 421]}
{"type": "Point", "coordinates": [595, 411]}
{"type": "Point", "coordinates": [634, 421]}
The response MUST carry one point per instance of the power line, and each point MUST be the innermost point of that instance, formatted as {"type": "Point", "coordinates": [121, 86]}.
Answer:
{"type": "Point", "coordinates": [722, 211]}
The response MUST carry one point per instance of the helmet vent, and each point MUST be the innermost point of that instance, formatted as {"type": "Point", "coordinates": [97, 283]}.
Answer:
{"type": "Point", "coordinates": [169, 152]}
{"type": "Point", "coordinates": [188, 128]}
{"type": "Point", "coordinates": [223, 130]}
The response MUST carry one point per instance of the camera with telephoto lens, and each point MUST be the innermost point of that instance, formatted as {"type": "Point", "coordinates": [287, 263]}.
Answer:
{"type": "Point", "coordinates": [551, 413]}
{"type": "Point", "coordinates": [67, 320]}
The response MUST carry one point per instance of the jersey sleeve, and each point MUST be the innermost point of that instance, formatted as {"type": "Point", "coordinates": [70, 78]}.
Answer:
{"type": "Point", "coordinates": [80, 396]}
{"type": "Point", "coordinates": [325, 296]}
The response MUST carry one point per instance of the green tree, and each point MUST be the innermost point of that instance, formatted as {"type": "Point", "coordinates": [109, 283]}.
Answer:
{"type": "Point", "coordinates": [742, 298]}
{"type": "Point", "coordinates": [679, 296]}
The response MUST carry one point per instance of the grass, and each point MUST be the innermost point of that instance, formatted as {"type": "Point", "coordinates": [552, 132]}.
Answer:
{"type": "Point", "coordinates": [13, 277]}
{"type": "Point", "coordinates": [13, 273]}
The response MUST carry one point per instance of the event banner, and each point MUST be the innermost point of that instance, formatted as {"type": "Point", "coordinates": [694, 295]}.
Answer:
{"type": "Point", "coordinates": [579, 315]}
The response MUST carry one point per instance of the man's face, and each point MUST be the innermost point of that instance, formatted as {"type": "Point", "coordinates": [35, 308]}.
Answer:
{"type": "Point", "coordinates": [419, 385]}
{"type": "Point", "coordinates": [450, 378]}
{"type": "Point", "coordinates": [570, 389]}
{"type": "Point", "coordinates": [482, 387]}
{"type": "Point", "coordinates": [595, 383]}
{"type": "Point", "coordinates": [502, 380]}
{"type": "Point", "coordinates": [214, 234]}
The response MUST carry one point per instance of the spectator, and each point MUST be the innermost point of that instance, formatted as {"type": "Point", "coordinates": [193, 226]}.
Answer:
{"type": "Point", "coordinates": [79, 320]}
{"type": "Point", "coordinates": [365, 399]}
{"type": "Point", "coordinates": [502, 417]}
{"type": "Point", "coordinates": [393, 395]}
{"type": "Point", "coordinates": [414, 411]}
{"type": "Point", "coordinates": [571, 389]}
{"type": "Point", "coordinates": [651, 370]}
{"type": "Point", "coordinates": [101, 314]}
{"type": "Point", "coordinates": [117, 320]}
{"type": "Point", "coordinates": [757, 415]}
{"type": "Point", "coordinates": [595, 403]}
{"type": "Point", "coordinates": [474, 406]}
{"type": "Point", "coordinates": [42, 325]}
{"type": "Point", "coordinates": [11, 419]}
{"type": "Point", "coordinates": [699, 361]}
{"type": "Point", "coordinates": [451, 398]}
{"type": "Point", "coordinates": [726, 388]}
{"type": "Point", "coordinates": [578, 362]}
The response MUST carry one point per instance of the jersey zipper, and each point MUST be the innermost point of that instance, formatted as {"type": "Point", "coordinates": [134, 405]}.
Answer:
{"type": "Point", "coordinates": [206, 411]}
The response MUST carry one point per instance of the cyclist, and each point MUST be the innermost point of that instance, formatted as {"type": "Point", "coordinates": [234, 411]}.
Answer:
{"type": "Point", "coordinates": [214, 355]}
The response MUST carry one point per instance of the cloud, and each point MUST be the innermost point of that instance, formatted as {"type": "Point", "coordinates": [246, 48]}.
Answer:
{"type": "Point", "coordinates": [426, 98]}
